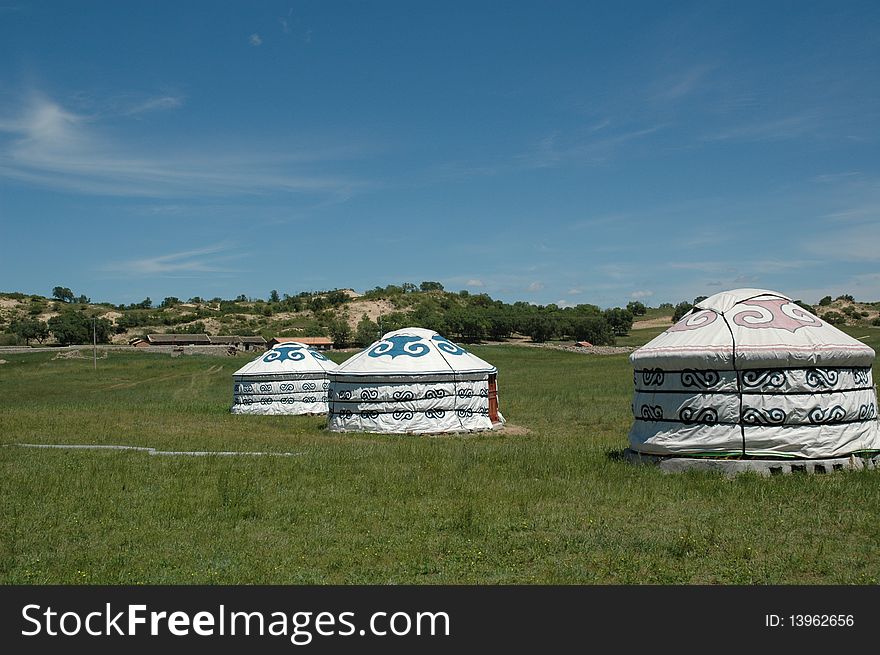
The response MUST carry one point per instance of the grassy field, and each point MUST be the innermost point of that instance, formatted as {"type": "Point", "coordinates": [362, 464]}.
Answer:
{"type": "Point", "coordinates": [555, 505]}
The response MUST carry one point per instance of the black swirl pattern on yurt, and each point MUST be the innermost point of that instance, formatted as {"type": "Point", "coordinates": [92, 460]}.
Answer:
{"type": "Point", "coordinates": [759, 416]}
{"type": "Point", "coordinates": [822, 377]}
{"type": "Point", "coordinates": [699, 378]}
{"type": "Point", "coordinates": [861, 375]}
{"type": "Point", "coordinates": [705, 416]}
{"type": "Point", "coordinates": [653, 377]}
{"type": "Point", "coordinates": [763, 378]}
{"type": "Point", "coordinates": [868, 411]}
{"type": "Point", "coordinates": [652, 412]}
{"type": "Point", "coordinates": [826, 414]}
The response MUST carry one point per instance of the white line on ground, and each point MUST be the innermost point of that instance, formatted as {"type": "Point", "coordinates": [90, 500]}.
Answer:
{"type": "Point", "coordinates": [153, 451]}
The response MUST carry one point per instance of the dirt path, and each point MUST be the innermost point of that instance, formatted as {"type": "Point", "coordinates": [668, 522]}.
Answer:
{"type": "Point", "coordinates": [663, 321]}
{"type": "Point", "coordinates": [162, 378]}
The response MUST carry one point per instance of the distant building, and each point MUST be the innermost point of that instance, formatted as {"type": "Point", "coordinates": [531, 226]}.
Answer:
{"type": "Point", "coordinates": [138, 342]}
{"type": "Point", "coordinates": [245, 343]}
{"type": "Point", "coordinates": [583, 344]}
{"type": "Point", "coordinates": [253, 343]}
{"type": "Point", "coordinates": [318, 343]}
{"type": "Point", "coordinates": [179, 339]}
{"type": "Point", "coordinates": [225, 340]}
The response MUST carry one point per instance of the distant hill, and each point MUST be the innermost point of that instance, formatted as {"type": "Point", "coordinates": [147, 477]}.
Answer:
{"type": "Point", "coordinates": [357, 318]}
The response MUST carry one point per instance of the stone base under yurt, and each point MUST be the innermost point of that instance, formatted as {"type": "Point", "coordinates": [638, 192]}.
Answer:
{"type": "Point", "coordinates": [763, 467]}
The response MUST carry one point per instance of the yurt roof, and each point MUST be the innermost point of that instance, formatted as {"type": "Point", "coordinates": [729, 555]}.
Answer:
{"type": "Point", "coordinates": [289, 357]}
{"type": "Point", "coordinates": [751, 328]}
{"type": "Point", "coordinates": [413, 351]}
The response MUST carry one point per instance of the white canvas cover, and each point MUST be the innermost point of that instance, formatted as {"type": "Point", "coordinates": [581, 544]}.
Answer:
{"type": "Point", "coordinates": [290, 378]}
{"type": "Point", "coordinates": [411, 381]}
{"type": "Point", "coordinates": [750, 373]}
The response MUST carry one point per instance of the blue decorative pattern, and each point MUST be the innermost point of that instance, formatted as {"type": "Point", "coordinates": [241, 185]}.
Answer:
{"type": "Point", "coordinates": [447, 346]}
{"type": "Point", "coordinates": [400, 344]}
{"type": "Point", "coordinates": [281, 353]}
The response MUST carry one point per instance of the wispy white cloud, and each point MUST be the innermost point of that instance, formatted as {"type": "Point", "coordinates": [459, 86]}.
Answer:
{"type": "Point", "coordinates": [52, 147]}
{"type": "Point", "coordinates": [845, 244]}
{"type": "Point", "coordinates": [575, 291]}
{"type": "Point", "coordinates": [775, 129]}
{"type": "Point", "coordinates": [641, 294]}
{"type": "Point", "coordinates": [556, 149]}
{"type": "Point", "coordinates": [474, 282]}
{"type": "Point", "coordinates": [255, 40]}
{"type": "Point", "coordinates": [535, 286]}
{"type": "Point", "coordinates": [210, 259]}
{"type": "Point", "coordinates": [838, 177]}
{"type": "Point", "coordinates": [675, 87]}
{"type": "Point", "coordinates": [160, 103]}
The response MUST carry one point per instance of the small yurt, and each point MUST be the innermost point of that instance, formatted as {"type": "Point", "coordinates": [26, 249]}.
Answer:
{"type": "Point", "coordinates": [290, 378]}
{"type": "Point", "coordinates": [414, 381]}
{"type": "Point", "coordinates": [749, 373]}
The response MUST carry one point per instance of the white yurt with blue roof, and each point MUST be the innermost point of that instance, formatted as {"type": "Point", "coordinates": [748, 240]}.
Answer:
{"type": "Point", "coordinates": [414, 381]}
{"type": "Point", "coordinates": [290, 378]}
{"type": "Point", "coordinates": [749, 373]}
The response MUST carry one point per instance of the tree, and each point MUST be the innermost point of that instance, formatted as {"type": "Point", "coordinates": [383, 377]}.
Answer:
{"type": "Point", "coordinates": [75, 327]}
{"type": "Point", "coordinates": [366, 332]}
{"type": "Point", "coordinates": [146, 303]}
{"type": "Point", "coordinates": [408, 287]}
{"type": "Point", "coordinates": [30, 328]}
{"type": "Point", "coordinates": [834, 318]}
{"type": "Point", "coordinates": [699, 299]}
{"type": "Point", "coordinates": [637, 308]}
{"type": "Point", "coordinates": [846, 296]}
{"type": "Point", "coordinates": [681, 309]}
{"type": "Point", "coordinates": [170, 301]}
{"type": "Point", "coordinates": [63, 294]}
{"type": "Point", "coordinates": [539, 328]}
{"type": "Point", "coordinates": [825, 301]}
{"type": "Point", "coordinates": [594, 329]}
{"type": "Point", "coordinates": [193, 328]}
{"type": "Point", "coordinates": [83, 299]}
{"type": "Point", "coordinates": [340, 332]}
{"type": "Point", "coordinates": [431, 286]}
{"type": "Point", "coordinates": [273, 296]}
{"type": "Point", "coordinates": [620, 320]}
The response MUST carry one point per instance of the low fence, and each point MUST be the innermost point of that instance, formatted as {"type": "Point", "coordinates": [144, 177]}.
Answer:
{"type": "Point", "coordinates": [216, 350]}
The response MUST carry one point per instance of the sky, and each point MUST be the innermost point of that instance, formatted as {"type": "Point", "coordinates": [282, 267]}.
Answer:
{"type": "Point", "coordinates": [552, 152]}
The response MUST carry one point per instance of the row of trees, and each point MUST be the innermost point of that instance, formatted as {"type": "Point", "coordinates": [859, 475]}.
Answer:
{"type": "Point", "coordinates": [70, 326]}
{"type": "Point", "coordinates": [479, 317]}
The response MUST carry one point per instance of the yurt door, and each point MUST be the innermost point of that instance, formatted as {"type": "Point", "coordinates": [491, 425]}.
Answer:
{"type": "Point", "coordinates": [493, 398]}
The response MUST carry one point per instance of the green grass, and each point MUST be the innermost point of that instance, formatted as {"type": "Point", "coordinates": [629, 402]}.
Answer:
{"type": "Point", "coordinates": [639, 336]}
{"type": "Point", "coordinates": [556, 505]}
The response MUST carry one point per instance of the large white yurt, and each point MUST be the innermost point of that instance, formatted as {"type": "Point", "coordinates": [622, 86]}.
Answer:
{"type": "Point", "coordinates": [414, 381]}
{"type": "Point", "coordinates": [749, 373]}
{"type": "Point", "coordinates": [287, 379]}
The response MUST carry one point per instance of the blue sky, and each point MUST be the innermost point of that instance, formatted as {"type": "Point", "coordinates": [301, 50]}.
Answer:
{"type": "Point", "coordinates": [563, 152]}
